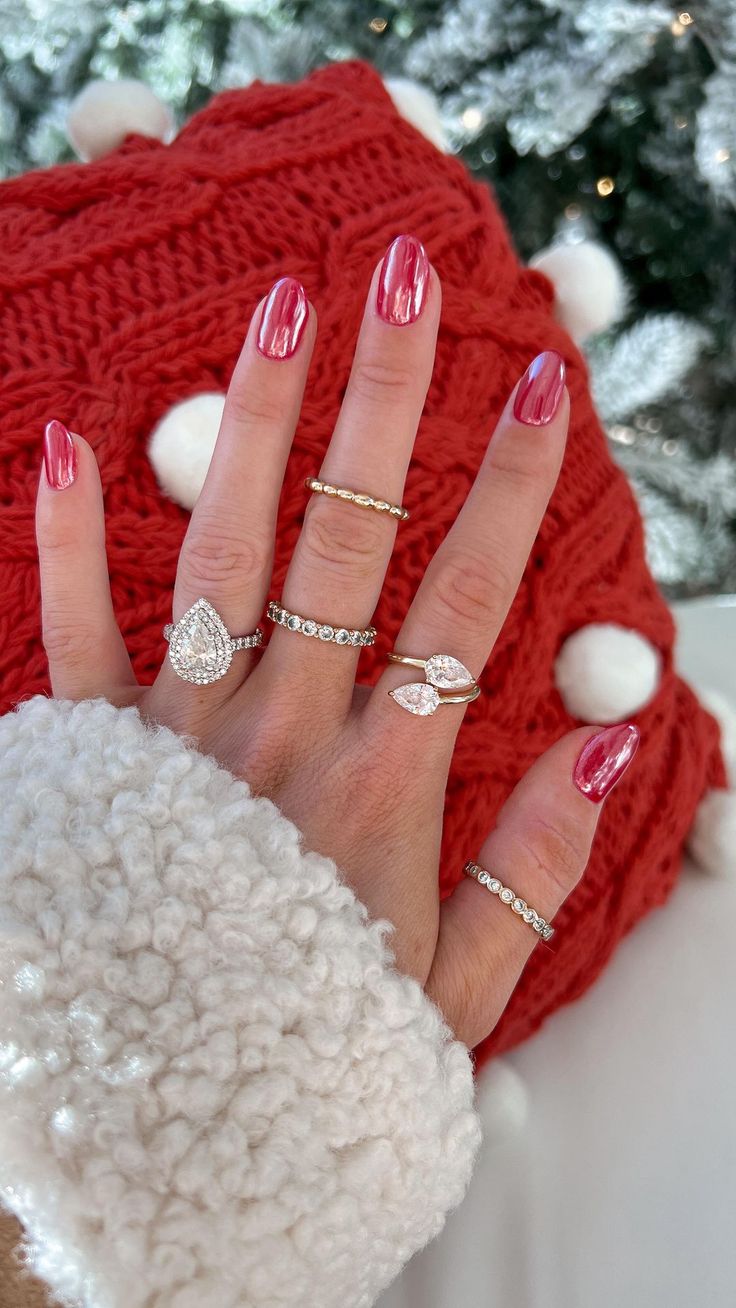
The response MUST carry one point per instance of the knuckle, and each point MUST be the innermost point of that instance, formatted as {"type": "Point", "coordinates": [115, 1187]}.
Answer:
{"type": "Point", "coordinates": [380, 380]}
{"type": "Point", "coordinates": [556, 849]}
{"type": "Point", "coordinates": [526, 470]}
{"type": "Point", "coordinates": [347, 540]}
{"type": "Point", "coordinates": [254, 406]}
{"type": "Point", "coordinates": [469, 591]}
{"type": "Point", "coordinates": [224, 562]}
{"type": "Point", "coordinates": [70, 646]}
{"type": "Point", "coordinates": [55, 544]}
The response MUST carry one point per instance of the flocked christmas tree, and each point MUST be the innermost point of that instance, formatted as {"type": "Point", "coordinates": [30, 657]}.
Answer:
{"type": "Point", "coordinates": [604, 120]}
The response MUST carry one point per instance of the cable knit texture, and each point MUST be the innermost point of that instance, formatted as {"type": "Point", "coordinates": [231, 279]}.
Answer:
{"type": "Point", "coordinates": [216, 1090]}
{"type": "Point", "coordinates": [128, 285]}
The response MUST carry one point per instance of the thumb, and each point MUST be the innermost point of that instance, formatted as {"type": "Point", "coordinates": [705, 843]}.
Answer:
{"type": "Point", "coordinates": [539, 849]}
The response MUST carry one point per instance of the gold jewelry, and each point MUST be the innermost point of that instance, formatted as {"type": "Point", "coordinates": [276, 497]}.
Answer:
{"type": "Point", "coordinates": [322, 630]}
{"type": "Point", "coordinates": [356, 497]}
{"type": "Point", "coordinates": [443, 673]}
{"type": "Point", "coordinates": [510, 897]}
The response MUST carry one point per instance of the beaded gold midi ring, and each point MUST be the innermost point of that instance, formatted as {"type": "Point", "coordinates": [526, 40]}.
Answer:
{"type": "Point", "coordinates": [448, 682]}
{"type": "Point", "coordinates": [510, 897]}
{"type": "Point", "coordinates": [360, 498]}
{"type": "Point", "coordinates": [321, 630]}
{"type": "Point", "coordinates": [201, 647]}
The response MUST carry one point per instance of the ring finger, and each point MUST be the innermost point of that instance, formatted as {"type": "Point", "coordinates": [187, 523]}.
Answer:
{"type": "Point", "coordinates": [227, 554]}
{"type": "Point", "coordinates": [340, 560]}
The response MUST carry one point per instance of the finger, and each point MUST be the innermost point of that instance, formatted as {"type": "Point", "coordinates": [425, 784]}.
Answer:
{"type": "Point", "coordinates": [539, 849]}
{"type": "Point", "coordinates": [468, 588]}
{"type": "Point", "coordinates": [84, 647]}
{"type": "Point", "coordinates": [340, 560]}
{"type": "Point", "coordinates": [227, 554]}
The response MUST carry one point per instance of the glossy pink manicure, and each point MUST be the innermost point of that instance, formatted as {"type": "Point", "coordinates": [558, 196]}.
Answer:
{"type": "Point", "coordinates": [540, 390]}
{"type": "Point", "coordinates": [283, 319]}
{"type": "Point", "coordinates": [604, 759]}
{"type": "Point", "coordinates": [404, 281]}
{"type": "Point", "coordinates": [59, 455]}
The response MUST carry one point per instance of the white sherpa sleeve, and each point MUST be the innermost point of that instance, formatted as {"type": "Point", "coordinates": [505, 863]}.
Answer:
{"type": "Point", "coordinates": [216, 1089]}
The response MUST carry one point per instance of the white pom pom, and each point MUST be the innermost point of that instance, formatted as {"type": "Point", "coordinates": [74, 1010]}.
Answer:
{"type": "Point", "coordinates": [181, 446]}
{"type": "Point", "coordinates": [105, 112]}
{"type": "Point", "coordinates": [712, 839]}
{"type": "Point", "coordinates": [590, 290]}
{"type": "Point", "coordinates": [504, 1105]}
{"type": "Point", "coordinates": [605, 673]}
{"type": "Point", "coordinates": [419, 107]}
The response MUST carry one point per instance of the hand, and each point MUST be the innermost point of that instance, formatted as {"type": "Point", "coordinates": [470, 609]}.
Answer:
{"type": "Point", "coordinates": [363, 779]}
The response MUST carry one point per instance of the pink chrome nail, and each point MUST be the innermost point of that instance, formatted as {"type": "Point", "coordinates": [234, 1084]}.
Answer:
{"type": "Point", "coordinates": [404, 281]}
{"type": "Point", "coordinates": [59, 455]}
{"type": "Point", "coordinates": [283, 319]}
{"type": "Point", "coordinates": [540, 390]}
{"type": "Point", "coordinates": [604, 759]}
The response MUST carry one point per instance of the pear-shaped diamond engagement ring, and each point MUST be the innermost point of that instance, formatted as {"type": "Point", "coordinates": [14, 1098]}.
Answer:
{"type": "Point", "coordinates": [200, 645]}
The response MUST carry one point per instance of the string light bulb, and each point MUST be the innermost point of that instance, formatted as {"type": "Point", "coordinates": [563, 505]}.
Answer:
{"type": "Point", "coordinates": [472, 118]}
{"type": "Point", "coordinates": [378, 25]}
{"type": "Point", "coordinates": [605, 185]}
{"type": "Point", "coordinates": [679, 25]}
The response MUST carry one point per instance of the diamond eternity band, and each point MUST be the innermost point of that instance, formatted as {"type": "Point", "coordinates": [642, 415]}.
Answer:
{"type": "Point", "coordinates": [510, 897]}
{"type": "Point", "coordinates": [321, 630]}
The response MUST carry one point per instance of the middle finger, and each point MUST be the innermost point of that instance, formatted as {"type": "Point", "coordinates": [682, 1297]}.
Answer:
{"type": "Point", "coordinates": [340, 560]}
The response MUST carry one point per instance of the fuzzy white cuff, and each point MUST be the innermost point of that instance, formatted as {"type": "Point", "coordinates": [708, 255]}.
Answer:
{"type": "Point", "coordinates": [215, 1088]}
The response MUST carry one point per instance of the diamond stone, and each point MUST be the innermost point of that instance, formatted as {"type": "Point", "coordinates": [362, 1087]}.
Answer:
{"type": "Point", "coordinates": [342, 637]}
{"type": "Point", "coordinates": [356, 638]}
{"type": "Point", "coordinates": [506, 895]}
{"type": "Point", "coordinates": [518, 905]}
{"type": "Point", "coordinates": [200, 649]}
{"type": "Point", "coordinates": [447, 673]}
{"type": "Point", "coordinates": [417, 698]}
{"type": "Point", "coordinates": [484, 878]}
{"type": "Point", "coordinates": [293, 622]}
{"type": "Point", "coordinates": [528, 915]}
{"type": "Point", "coordinates": [496, 886]}
{"type": "Point", "coordinates": [326, 633]}
{"type": "Point", "coordinates": [309, 628]}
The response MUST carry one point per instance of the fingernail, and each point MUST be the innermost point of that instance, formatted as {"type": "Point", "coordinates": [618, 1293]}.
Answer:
{"type": "Point", "coordinates": [404, 281]}
{"type": "Point", "coordinates": [540, 389]}
{"type": "Point", "coordinates": [283, 319]}
{"type": "Point", "coordinates": [59, 455]}
{"type": "Point", "coordinates": [604, 759]}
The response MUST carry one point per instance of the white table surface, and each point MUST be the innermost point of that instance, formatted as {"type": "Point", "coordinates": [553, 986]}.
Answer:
{"type": "Point", "coordinates": [620, 1188]}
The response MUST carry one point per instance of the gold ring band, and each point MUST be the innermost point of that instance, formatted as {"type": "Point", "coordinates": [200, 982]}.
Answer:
{"type": "Point", "coordinates": [510, 897]}
{"type": "Point", "coordinates": [363, 500]}
{"type": "Point", "coordinates": [448, 681]}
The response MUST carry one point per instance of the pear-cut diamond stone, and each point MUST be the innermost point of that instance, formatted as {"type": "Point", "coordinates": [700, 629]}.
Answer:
{"type": "Point", "coordinates": [200, 648]}
{"type": "Point", "coordinates": [447, 673]}
{"type": "Point", "coordinates": [417, 697]}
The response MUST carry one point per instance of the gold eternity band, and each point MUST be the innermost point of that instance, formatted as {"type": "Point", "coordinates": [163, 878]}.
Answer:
{"type": "Point", "coordinates": [510, 897]}
{"type": "Point", "coordinates": [360, 498]}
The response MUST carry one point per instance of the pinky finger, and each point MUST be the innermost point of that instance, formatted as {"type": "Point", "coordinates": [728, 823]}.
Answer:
{"type": "Point", "coordinates": [539, 847]}
{"type": "Point", "coordinates": [84, 647]}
